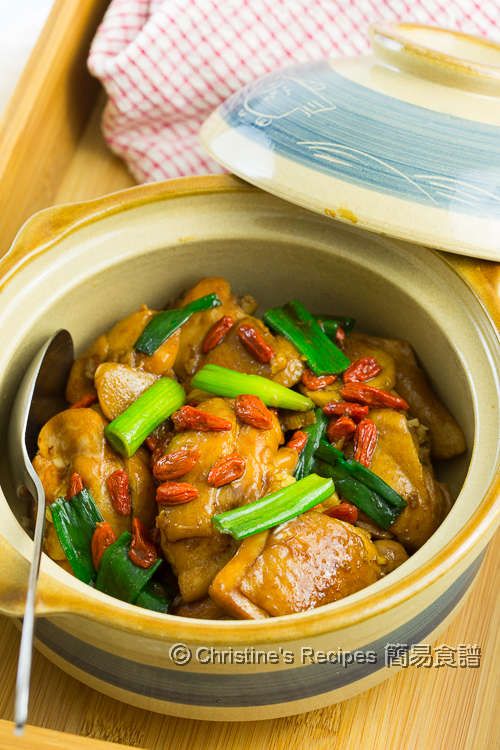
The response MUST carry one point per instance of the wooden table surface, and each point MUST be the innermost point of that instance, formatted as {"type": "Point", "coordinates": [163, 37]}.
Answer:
{"type": "Point", "coordinates": [424, 708]}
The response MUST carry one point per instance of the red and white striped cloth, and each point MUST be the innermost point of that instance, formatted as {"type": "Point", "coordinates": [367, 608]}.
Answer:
{"type": "Point", "coordinates": [165, 64]}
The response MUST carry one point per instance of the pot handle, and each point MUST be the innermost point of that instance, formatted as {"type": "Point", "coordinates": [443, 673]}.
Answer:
{"type": "Point", "coordinates": [49, 226]}
{"type": "Point", "coordinates": [484, 278]}
{"type": "Point", "coordinates": [52, 595]}
{"type": "Point", "coordinates": [13, 579]}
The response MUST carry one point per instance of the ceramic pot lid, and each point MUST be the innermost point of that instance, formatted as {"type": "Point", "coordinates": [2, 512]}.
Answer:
{"type": "Point", "coordinates": [405, 142]}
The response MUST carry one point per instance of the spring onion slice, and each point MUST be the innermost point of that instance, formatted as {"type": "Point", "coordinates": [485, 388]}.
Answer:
{"type": "Point", "coordinates": [331, 323]}
{"type": "Point", "coordinates": [330, 454]}
{"type": "Point", "coordinates": [128, 430]}
{"type": "Point", "coordinates": [358, 494]}
{"type": "Point", "coordinates": [276, 508]}
{"type": "Point", "coordinates": [165, 323]}
{"type": "Point", "coordinates": [75, 521]}
{"type": "Point", "coordinates": [118, 576]}
{"type": "Point", "coordinates": [229, 383]}
{"type": "Point", "coordinates": [303, 330]}
{"type": "Point", "coordinates": [314, 434]}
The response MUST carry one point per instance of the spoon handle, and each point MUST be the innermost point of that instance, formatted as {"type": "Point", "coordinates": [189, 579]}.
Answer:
{"type": "Point", "coordinates": [26, 647]}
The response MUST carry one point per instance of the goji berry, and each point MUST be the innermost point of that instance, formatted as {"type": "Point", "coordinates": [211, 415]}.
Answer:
{"type": "Point", "coordinates": [191, 418]}
{"type": "Point", "coordinates": [367, 394]}
{"type": "Point", "coordinates": [298, 441]}
{"type": "Point", "coordinates": [118, 486]}
{"type": "Point", "coordinates": [175, 493]}
{"type": "Point", "coordinates": [343, 427]}
{"type": "Point", "coordinates": [345, 409]}
{"type": "Point", "coordinates": [176, 464]}
{"type": "Point", "coordinates": [316, 382]}
{"type": "Point", "coordinates": [254, 342]}
{"type": "Point", "coordinates": [87, 400]}
{"type": "Point", "coordinates": [365, 441]}
{"type": "Point", "coordinates": [344, 512]}
{"type": "Point", "coordinates": [151, 443]}
{"type": "Point", "coordinates": [361, 370]}
{"type": "Point", "coordinates": [226, 470]}
{"type": "Point", "coordinates": [142, 551]}
{"type": "Point", "coordinates": [251, 410]}
{"type": "Point", "coordinates": [75, 485]}
{"type": "Point", "coordinates": [217, 333]}
{"type": "Point", "coordinates": [102, 538]}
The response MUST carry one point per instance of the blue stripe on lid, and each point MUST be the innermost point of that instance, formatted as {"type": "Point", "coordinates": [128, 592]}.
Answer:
{"type": "Point", "coordinates": [316, 117]}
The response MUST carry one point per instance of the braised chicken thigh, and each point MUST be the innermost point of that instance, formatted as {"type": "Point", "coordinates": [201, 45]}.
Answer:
{"type": "Point", "coordinates": [73, 442]}
{"type": "Point", "coordinates": [306, 562]}
{"type": "Point", "coordinates": [189, 541]}
{"type": "Point", "coordinates": [117, 345]}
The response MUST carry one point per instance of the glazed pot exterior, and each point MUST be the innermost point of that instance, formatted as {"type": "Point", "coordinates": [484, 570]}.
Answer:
{"type": "Point", "coordinates": [82, 267]}
{"type": "Point", "coordinates": [243, 681]}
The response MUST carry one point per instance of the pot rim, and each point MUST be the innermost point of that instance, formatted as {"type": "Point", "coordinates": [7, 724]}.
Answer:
{"type": "Point", "coordinates": [37, 236]}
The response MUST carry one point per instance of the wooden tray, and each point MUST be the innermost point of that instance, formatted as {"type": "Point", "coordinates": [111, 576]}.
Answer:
{"type": "Point", "coordinates": [51, 152]}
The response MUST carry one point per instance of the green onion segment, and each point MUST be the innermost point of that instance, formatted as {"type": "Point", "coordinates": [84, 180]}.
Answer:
{"type": "Point", "coordinates": [118, 576]}
{"type": "Point", "coordinates": [331, 323]}
{"type": "Point", "coordinates": [330, 454]}
{"type": "Point", "coordinates": [359, 485]}
{"type": "Point", "coordinates": [153, 596]}
{"type": "Point", "coordinates": [229, 383]}
{"type": "Point", "coordinates": [314, 434]}
{"type": "Point", "coordinates": [165, 323]}
{"type": "Point", "coordinates": [359, 494]}
{"type": "Point", "coordinates": [274, 509]}
{"type": "Point", "coordinates": [75, 521]}
{"type": "Point", "coordinates": [128, 430]}
{"type": "Point", "coordinates": [300, 327]}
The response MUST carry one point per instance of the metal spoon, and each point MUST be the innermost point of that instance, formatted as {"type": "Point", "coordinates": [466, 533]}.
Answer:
{"type": "Point", "coordinates": [40, 396]}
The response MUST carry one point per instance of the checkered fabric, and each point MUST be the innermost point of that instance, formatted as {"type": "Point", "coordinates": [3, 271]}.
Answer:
{"type": "Point", "coordinates": [165, 64]}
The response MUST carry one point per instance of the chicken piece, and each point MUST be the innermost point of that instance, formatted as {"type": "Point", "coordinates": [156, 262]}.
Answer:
{"type": "Point", "coordinates": [286, 366]}
{"type": "Point", "coordinates": [73, 441]}
{"type": "Point", "coordinates": [203, 609]}
{"type": "Point", "coordinates": [196, 561]}
{"type": "Point", "coordinates": [259, 449]}
{"type": "Point", "coordinates": [284, 464]}
{"type": "Point", "coordinates": [357, 346]}
{"type": "Point", "coordinates": [396, 460]}
{"type": "Point", "coordinates": [325, 395]}
{"type": "Point", "coordinates": [117, 345]}
{"type": "Point", "coordinates": [376, 532]}
{"type": "Point", "coordinates": [296, 420]}
{"type": "Point", "coordinates": [118, 386]}
{"type": "Point", "coordinates": [302, 564]}
{"type": "Point", "coordinates": [447, 438]}
{"type": "Point", "coordinates": [421, 436]}
{"type": "Point", "coordinates": [189, 540]}
{"type": "Point", "coordinates": [225, 588]}
{"type": "Point", "coordinates": [393, 553]}
{"type": "Point", "coordinates": [195, 329]}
